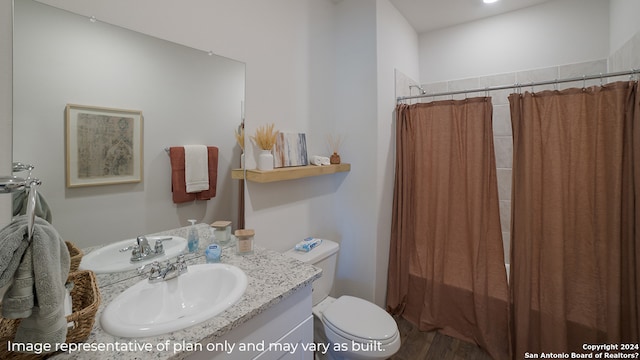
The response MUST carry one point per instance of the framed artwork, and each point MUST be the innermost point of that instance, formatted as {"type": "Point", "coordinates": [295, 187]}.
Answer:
{"type": "Point", "coordinates": [103, 146]}
{"type": "Point", "coordinates": [290, 150]}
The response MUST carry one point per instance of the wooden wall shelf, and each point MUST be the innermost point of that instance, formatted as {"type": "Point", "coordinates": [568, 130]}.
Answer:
{"type": "Point", "coordinates": [289, 173]}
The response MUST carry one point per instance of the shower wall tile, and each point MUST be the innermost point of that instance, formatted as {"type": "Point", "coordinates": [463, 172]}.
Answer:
{"type": "Point", "coordinates": [505, 215]}
{"type": "Point", "coordinates": [536, 75]}
{"type": "Point", "coordinates": [434, 88]}
{"type": "Point", "coordinates": [501, 120]}
{"type": "Point", "coordinates": [504, 151]}
{"type": "Point", "coordinates": [402, 84]}
{"type": "Point", "coordinates": [594, 67]}
{"type": "Point", "coordinates": [499, 97]}
{"type": "Point", "coordinates": [627, 57]}
{"type": "Point", "coordinates": [465, 84]}
{"type": "Point", "coordinates": [580, 69]}
{"type": "Point", "coordinates": [506, 245]}
{"type": "Point", "coordinates": [634, 49]}
{"type": "Point", "coordinates": [504, 184]}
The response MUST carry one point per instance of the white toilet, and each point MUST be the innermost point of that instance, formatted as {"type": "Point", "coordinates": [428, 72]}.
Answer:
{"type": "Point", "coordinates": [354, 328]}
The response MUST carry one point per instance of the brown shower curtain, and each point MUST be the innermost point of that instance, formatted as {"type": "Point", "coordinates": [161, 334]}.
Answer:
{"type": "Point", "coordinates": [446, 265]}
{"type": "Point", "coordinates": [574, 235]}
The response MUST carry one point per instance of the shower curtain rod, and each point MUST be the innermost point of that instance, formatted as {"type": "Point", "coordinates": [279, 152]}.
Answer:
{"type": "Point", "coordinates": [517, 85]}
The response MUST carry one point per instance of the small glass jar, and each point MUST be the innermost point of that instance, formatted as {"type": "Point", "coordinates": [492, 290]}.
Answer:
{"type": "Point", "coordinates": [245, 241]}
{"type": "Point", "coordinates": [222, 231]}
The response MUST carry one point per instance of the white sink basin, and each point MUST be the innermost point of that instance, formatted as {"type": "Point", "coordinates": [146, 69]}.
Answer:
{"type": "Point", "coordinates": [109, 259]}
{"type": "Point", "coordinates": [150, 309]}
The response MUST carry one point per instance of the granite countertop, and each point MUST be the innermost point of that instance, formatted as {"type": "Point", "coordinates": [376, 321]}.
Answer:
{"type": "Point", "coordinates": [272, 277]}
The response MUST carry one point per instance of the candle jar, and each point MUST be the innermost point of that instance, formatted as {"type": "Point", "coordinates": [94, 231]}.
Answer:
{"type": "Point", "coordinates": [222, 231]}
{"type": "Point", "coordinates": [245, 241]}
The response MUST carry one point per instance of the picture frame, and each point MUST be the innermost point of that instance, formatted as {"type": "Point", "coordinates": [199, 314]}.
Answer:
{"type": "Point", "coordinates": [103, 145]}
{"type": "Point", "coordinates": [290, 150]}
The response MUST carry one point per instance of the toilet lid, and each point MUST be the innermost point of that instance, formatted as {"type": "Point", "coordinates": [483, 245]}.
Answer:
{"type": "Point", "coordinates": [360, 319]}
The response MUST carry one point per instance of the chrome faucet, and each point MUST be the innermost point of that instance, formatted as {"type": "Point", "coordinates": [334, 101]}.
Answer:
{"type": "Point", "coordinates": [170, 271]}
{"type": "Point", "coordinates": [142, 250]}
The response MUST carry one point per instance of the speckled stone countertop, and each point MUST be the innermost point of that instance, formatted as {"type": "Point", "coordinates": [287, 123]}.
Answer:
{"type": "Point", "coordinates": [272, 277]}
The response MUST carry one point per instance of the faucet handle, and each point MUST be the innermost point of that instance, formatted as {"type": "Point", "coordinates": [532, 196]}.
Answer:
{"type": "Point", "coordinates": [181, 264]}
{"type": "Point", "coordinates": [135, 252]}
{"type": "Point", "coordinates": [158, 248]}
{"type": "Point", "coordinates": [155, 270]}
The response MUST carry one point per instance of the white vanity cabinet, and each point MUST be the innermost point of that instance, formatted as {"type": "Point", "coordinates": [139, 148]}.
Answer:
{"type": "Point", "coordinates": [270, 335]}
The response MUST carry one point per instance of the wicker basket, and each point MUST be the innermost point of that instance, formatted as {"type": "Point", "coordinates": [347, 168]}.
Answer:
{"type": "Point", "coordinates": [86, 300]}
{"type": "Point", "coordinates": [76, 256]}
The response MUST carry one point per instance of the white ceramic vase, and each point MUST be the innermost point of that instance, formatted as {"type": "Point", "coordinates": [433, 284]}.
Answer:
{"type": "Point", "coordinates": [242, 161]}
{"type": "Point", "coordinates": [265, 160]}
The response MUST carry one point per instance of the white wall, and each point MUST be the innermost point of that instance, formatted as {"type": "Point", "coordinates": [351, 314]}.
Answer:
{"type": "Point", "coordinates": [355, 102]}
{"type": "Point", "coordinates": [6, 103]}
{"type": "Point", "coordinates": [550, 34]}
{"type": "Point", "coordinates": [397, 49]}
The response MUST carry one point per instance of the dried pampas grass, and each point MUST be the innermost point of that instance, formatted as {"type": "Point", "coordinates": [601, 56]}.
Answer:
{"type": "Point", "coordinates": [334, 141]}
{"type": "Point", "coordinates": [265, 137]}
{"type": "Point", "coordinates": [240, 137]}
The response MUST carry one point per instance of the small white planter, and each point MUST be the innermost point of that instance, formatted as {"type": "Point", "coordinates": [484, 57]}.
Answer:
{"type": "Point", "coordinates": [265, 160]}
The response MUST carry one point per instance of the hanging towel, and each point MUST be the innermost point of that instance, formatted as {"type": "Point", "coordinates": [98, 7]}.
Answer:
{"type": "Point", "coordinates": [196, 168]}
{"type": "Point", "coordinates": [20, 199]}
{"type": "Point", "coordinates": [178, 183]}
{"type": "Point", "coordinates": [38, 272]}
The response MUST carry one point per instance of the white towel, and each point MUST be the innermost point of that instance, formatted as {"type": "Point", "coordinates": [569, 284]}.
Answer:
{"type": "Point", "coordinates": [319, 160]}
{"type": "Point", "coordinates": [196, 168]}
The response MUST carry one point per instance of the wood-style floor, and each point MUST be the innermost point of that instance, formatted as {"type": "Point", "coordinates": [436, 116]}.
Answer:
{"type": "Point", "coordinates": [419, 345]}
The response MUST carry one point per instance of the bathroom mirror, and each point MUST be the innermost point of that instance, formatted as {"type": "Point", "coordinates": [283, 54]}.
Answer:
{"type": "Point", "coordinates": [186, 96]}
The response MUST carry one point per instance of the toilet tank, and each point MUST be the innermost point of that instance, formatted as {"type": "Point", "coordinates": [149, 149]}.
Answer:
{"type": "Point", "coordinates": [324, 256]}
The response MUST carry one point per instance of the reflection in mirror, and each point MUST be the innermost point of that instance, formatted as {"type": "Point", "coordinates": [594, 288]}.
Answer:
{"type": "Point", "coordinates": [186, 96]}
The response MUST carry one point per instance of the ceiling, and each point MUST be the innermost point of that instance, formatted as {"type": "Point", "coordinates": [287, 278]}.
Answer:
{"type": "Point", "coordinates": [429, 15]}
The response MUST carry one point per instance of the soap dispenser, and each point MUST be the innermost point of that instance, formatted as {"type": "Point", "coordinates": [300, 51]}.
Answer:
{"type": "Point", "coordinates": [193, 239]}
{"type": "Point", "coordinates": [214, 250]}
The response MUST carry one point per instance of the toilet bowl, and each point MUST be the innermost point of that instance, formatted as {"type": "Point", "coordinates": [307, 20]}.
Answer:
{"type": "Point", "coordinates": [353, 328]}
{"type": "Point", "coordinates": [357, 329]}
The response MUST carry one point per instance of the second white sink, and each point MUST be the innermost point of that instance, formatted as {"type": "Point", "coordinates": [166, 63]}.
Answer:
{"type": "Point", "coordinates": [109, 259]}
{"type": "Point", "coordinates": [149, 309]}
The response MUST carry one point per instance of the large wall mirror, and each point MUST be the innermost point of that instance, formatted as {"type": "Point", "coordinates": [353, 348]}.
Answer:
{"type": "Point", "coordinates": [186, 96]}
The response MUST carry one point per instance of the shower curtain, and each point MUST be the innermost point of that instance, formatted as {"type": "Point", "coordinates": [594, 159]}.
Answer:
{"type": "Point", "coordinates": [446, 265]}
{"type": "Point", "coordinates": [575, 237]}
